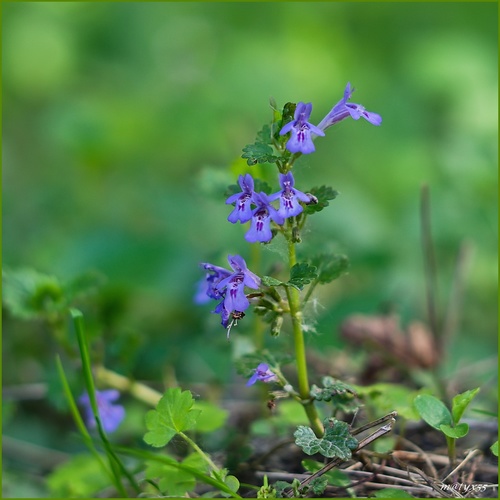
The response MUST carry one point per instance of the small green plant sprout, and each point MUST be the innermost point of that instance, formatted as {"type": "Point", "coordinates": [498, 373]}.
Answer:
{"type": "Point", "coordinates": [266, 491]}
{"type": "Point", "coordinates": [437, 415]}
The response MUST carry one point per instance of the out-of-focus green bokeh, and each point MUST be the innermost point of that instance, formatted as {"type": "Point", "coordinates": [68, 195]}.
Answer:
{"type": "Point", "coordinates": [123, 121]}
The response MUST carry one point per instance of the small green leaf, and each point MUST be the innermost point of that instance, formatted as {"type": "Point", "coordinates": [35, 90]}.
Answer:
{"type": "Point", "coordinates": [330, 266]}
{"type": "Point", "coordinates": [392, 493]}
{"type": "Point", "coordinates": [232, 483]}
{"type": "Point", "coordinates": [270, 281]}
{"type": "Point", "coordinates": [433, 411]}
{"type": "Point", "coordinates": [336, 442]}
{"type": "Point", "coordinates": [301, 274]}
{"type": "Point", "coordinates": [29, 294]}
{"type": "Point", "coordinates": [494, 448]}
{"type": "Point", "coordinates": [459, 431]}
{"type": "Point", "coordinates": [342, 396]}
{"type": "Point", "coordinates": [460, 403]}
{"type": "Point", "coordinates": [82, 476]}
{"type": "Point", "coordinates": [259, 152]}
{"type": "Point", "coordinates": [318, 485]}
{"type": "Point", "coordinates": [323, 194]}
{"type": "Point", "coordinates": [173, 414]}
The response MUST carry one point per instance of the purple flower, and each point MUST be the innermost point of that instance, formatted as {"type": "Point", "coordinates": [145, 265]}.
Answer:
{"type": "Point", "coordinates": [225, 315]}
{"type": "Point", "coordinates": [234, 285]}
{"type": "Point", "coordinates": [289, 197]}
{"type": "Point", "coordinates": [110, 414]}
{"type": "Point", "coordinates": [343, 109]}
{"type": "Point", "coordinates": [300, 139]}
{"type": "Point", "coordinates": [207, 286]}
{"type": "Point", "coordinates": [262, 373]}
{"type": "Point", "coordinates": [260, 226]}
{"type": "Point", "coordinates": [229, 286]}
{"type": "Point", "coordinates": [242, 210]}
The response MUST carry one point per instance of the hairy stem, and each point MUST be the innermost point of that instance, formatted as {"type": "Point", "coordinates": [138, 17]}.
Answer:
{"type": "Point", "coordinates": [300, 349]}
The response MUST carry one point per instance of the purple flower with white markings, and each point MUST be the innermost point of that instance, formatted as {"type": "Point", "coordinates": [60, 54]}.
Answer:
{"type": "Point", "coordinates": [300, 139]}
{"type": "Point", "coordinates": [262, 373]}
{"type": "Point", "coordinates": [242, 210]}
{"type": "Point", "coordinates": [234, 285]}
{"type": "Point", "coordinates": [289, 197]}
{"type": "Point", "coordinates": [344, 109]}
{"type": "Point", "coordinates": [220, 283]}
{"type": "Point", "coordinates": [260, 226]}
{"type": "Point", "coordinates": [111, 415]}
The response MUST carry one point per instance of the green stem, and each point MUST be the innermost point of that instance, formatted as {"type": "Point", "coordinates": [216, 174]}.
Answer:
{"type": "Point", "coordinates": [200, 452]}
{"type": "Point", "coordinates": [300, 349]}
{"type": "Point", "coordinates": [451, 450]}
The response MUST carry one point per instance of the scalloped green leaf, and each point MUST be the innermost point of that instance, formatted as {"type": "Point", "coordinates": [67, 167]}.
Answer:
{"type": "Point", "coordinates": [259, 152]}
{"type": "Point", "coordinates": [461, 402]}
{"type": "Point", "coordinates": [433, 411]}
{"type": "Point", "coordinates": [174, 413]}
{"type": "Point", "coordinates": [301, 274]}
{"type": "Point", "coordinates": [336, 442]}
{"type": "Point", "coordinates": [330, 266]}
{"type": "Point", "coordinates": [323, 194]}
{"type": "Point", "coordinates": [456, 432]}
{"type": "Point", "coordinates": [342, 396]}
{"type": "Point", "coordinates": [270, 281]}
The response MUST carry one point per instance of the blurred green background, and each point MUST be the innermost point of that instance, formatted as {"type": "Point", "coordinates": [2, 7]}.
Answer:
{"type": "Point", "coordinates": [124, 122]}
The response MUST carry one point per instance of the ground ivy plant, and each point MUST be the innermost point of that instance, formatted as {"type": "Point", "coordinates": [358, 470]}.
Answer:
{"type": "Point", "coordinates": [281, 212]}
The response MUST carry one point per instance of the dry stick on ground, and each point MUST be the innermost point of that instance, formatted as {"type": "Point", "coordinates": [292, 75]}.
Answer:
{"type": "Point", "coordinates": [422, 454]}
{"type": "Point", "coordinates": [430, 481]}
{"type": "Point", "coordinates": [470, 456]}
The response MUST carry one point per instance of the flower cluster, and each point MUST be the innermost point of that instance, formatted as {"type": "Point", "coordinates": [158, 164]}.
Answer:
{"type": "Point", "coordinates": [229, 288]}
{"type": "Point", "coordinates": [302, 132]}
{"type": "Point", "coordinates": [111, 415]}
{"type": "Point", "coordinates": [263, 213]}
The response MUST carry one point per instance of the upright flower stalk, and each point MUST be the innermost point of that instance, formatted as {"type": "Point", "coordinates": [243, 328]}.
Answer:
{"type": "Point", "coordinates": [268, 215]}
{"type": "Point", "coordinates": [300, 347]}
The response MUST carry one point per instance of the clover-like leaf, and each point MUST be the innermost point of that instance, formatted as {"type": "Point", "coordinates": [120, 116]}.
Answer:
{"type": "Point", "coordinates": [259, 152]}
{"type": "Point", "coordinates": [301, 274]}
{"type": "Point", "coordinates": [323, 195]}
{"type": "Point", "coordinates": [174, 413]}
{"type": "Point", "coordinates": [460, 403]}
{"type": "Point", "coordinates": [330, 266]}
{"type": "Point", "coordinates": [336, 442]}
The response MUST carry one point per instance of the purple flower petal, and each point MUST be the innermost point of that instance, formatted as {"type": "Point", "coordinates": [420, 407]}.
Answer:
{"type": "Point", "coordinates": [111, 415]}
{"type": "Point", "coordinates": [300, 138]}
{"type": "Point", "coordinates": [344, 109]}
